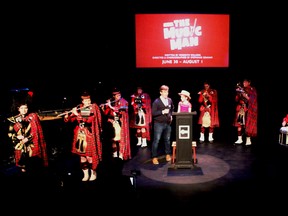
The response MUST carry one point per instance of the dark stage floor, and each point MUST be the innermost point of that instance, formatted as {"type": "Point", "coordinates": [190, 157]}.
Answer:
{"type": "Point", "coordinates": [225, 174]}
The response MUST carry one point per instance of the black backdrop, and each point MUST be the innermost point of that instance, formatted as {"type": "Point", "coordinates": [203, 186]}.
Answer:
{"type": "Point", "coordinates": [59, 50]}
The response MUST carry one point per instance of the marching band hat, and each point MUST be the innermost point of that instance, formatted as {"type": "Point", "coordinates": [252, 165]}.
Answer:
{"type": "Point", "coordinates": [19, 99]}
{"type": "Point", "coordinates": [185, 93]}
{"type": "Point", "coordinates": [85, 95]}
{"type": "Point", "coordinates": [116, 91]}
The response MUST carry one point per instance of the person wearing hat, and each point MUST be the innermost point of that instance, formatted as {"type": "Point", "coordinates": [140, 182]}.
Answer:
{"type": "Point", "coordinates": [184, 104]}
{"type": "Point", "coordinates": [87, 135]}
{"type": "Point", "coordinates": [116, 112]}
{"type": "Point", "coordinates": [246, 113]}
{"type": "Point", "coordinates": [26, 134]}
{"type": "Point", "coordinates": [141, 117]}
{"type": "Point", "coordinates": [208, 116]}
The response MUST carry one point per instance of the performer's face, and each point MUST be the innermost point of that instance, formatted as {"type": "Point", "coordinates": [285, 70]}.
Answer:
{"type": "Point", "coordinates": [86, 102]}
{"type": "Point", "coordinates": [164, 93]}
{"type": "Point", "coordinates": [183, 98]}
{"type": "Point", "coordinates": [139, 91]}
{"type": "Point", "coordinates": [246, 83]}
{"type": "Point", "coordinates": [117, 96]}
{"type": "Point", "coordinates": [23, 109]}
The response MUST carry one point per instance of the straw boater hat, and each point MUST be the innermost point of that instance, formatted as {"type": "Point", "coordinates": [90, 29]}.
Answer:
{"type": "Point", "coordinates": [186, 93]}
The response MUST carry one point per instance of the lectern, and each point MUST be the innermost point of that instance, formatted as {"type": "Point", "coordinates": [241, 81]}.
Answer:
{"type": "Point", "coordinates": [184, 137]}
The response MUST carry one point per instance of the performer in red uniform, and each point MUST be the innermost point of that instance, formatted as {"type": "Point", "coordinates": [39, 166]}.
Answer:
{"type": "Point", "coordinates": [285, 121]}
{"type": "Point", "coordinates": [116, 111]}
{"type": "Point", "coordinates": [208, 117]}
{"type": "Point", "coordinates": [141, 117]}
{"type": "Point", "coordinates": [26, 134]}
{"type": "Point", "coordinates": [86, 140]}
{"type": "Point", "coordinates": [246, 112]}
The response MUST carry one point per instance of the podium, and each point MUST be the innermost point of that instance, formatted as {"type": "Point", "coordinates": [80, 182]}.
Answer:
{"type": "Point", "coordinates": [184, 137]}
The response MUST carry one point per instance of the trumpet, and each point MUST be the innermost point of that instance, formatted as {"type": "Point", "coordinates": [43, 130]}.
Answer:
{"type": "Point", "coordinates": [77, 108]}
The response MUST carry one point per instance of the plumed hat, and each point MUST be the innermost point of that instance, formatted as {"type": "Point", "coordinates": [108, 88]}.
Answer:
{"type": "Point", "coordinates": [21, 98]}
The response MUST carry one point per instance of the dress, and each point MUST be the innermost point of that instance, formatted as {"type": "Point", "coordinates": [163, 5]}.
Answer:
{"type": "Point", "coordinates": [184, 107]}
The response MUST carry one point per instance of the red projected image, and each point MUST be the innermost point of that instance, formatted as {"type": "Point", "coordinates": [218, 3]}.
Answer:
{"type": "Point", "coordinates": [182, 40]}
